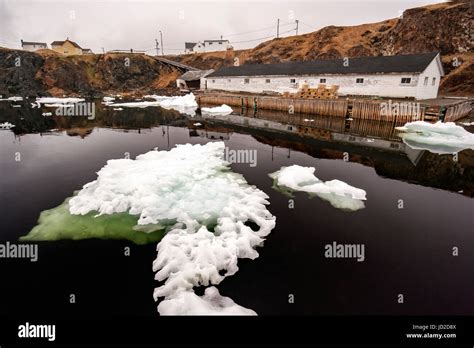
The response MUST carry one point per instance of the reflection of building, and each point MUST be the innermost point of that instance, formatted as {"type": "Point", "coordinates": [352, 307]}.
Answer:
{"type": "Point", "coordinates": [209, 134]}
{"type": "Point", "coordinates": [33, 46]}
{"type": "Point", "coordinates": [415, 75]}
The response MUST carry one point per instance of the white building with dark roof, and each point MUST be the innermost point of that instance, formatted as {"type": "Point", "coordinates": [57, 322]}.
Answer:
{"type": "Point", "coordinates": [33, 46]}
{"type": "Point", "coordinates": [402, 76]}
{"type": "Point", "coordinates": [206, 46]}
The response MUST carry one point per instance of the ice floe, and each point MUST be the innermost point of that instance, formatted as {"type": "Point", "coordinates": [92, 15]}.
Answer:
{"type": "Point", "coordinates": [184, 104]}
{"type": "Point", "coordinates": [205, 208]}
{"type": "Point", "coordinates": [338, 193]}
{"type": "Point", "coordinates": [221, 110]}
{"type": "Point", "coordinates": [6, 125]}
{"type": "Point", "coordinates": [440, 138]}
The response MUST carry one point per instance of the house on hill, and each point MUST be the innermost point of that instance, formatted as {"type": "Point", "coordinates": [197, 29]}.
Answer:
{"type": "Point", "coordinates": [66, 47]}
{"type": "Point", "coordinates": [401, 76]}
{"type": "Point", "coordinates": [206, 46]}
{"type": "Point", "coordinates": [33, 46]}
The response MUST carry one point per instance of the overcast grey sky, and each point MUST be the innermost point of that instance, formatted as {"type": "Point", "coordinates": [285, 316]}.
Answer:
{"type": "Point", "coordinates": [125, 24]}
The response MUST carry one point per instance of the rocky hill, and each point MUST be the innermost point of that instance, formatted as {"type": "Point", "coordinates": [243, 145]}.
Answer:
{"type": "Point", "coordinates": [47, 73]}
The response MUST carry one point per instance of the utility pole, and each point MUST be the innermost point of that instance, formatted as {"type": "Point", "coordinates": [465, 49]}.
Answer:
{"type": "Point", "coordinates": [161, 37]}
{"type": "Point", "coordinates": [157, 47]}
{"type": "Point", "coordinates": [297, 21]}
{"type": "Point", "coordinates": [278, 28]}
{"type": "Point", "coordinates": [103, 51]}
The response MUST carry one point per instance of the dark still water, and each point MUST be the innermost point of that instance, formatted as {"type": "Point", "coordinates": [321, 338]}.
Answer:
{"type": "Point", "coordinates": [408, 250]}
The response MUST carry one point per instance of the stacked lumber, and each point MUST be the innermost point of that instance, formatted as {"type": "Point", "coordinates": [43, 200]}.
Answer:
{"type": "Point", "coordinates": [321, 92]}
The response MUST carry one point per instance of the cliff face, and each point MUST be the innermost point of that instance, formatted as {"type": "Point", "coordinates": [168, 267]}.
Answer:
{"type": "Point", "coordinates": [45, 73]}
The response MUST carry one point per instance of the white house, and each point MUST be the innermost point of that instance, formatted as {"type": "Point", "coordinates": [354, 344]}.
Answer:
{"type": "Point", "coordinates": [206, 46]}
{"type": "Point", "coordinates": [33, 46]}
{"type": "Point", "coordinates": [402, 76]}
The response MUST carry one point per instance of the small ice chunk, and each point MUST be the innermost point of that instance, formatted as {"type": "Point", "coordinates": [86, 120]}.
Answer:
{"type": "Point", "coordinates": [16, 106]}
{"type": "Point", "coordinates": [338, 193]}
{"type": "Point", "coordinates": [47, 114]}
{"type": "Point", "coordinates": [308, 120]}
{"type": "Point", "coordinates": [440, 138]}
{"type": "Point", "coordinates": [6, 125]}
{"type": "Point", "coordinates": [222, 110]}
{"type": "Point", "coordinates": [59, 105]}
{"type": "Point", "coordinates": [108, 99]}
{"type": "Point", "coordinates": [56, 101]}
{"type": "Point", "coordinates": [211, 303]}
{"type": "Point", "coordinates": [118, 109]}
{"type": "Point", "coordinates": [197, 124]}
{"type": "Point", "coordinates": [14, 99]}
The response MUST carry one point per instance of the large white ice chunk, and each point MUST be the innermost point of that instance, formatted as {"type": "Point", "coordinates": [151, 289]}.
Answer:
{"type": "Point", "coordinates": [221, 110]}
{"type": "Point", "coordinates": [440, 138]}
{"type": "Point", "coordinates": [339, 194]}
{"type": "Point", "coordinates": [211, 303]}
{"type": "Point", "coordinates": [184, 104]}
{"type": "Point", "coordinates": [208, 208]}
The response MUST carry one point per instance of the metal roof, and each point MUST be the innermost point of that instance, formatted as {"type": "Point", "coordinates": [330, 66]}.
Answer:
{"type": "Point", "coordinates": [413, 63]}
{"type": "Point", "coordinates": [32, 43]}
{"type": "Point", "coordinates": [194, 75]}
{"type": "Point", "coordinates": [189, 45]}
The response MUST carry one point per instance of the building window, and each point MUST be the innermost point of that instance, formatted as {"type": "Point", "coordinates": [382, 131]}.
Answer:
{"type": "Point", "coordinates": [220, 43]}
{"type": "Point", "coordinates": [246, 80]}
{"type": "Point", "coordinates": [433, 82]}
{"type": "Point", "coordinates": [210, 43]}
{"type": "Point", "coordinates": [213, 81]}
{"type": "Point", "coordinates": [228, 80]}
{"type": "Point", "coordinates": [359, 80]}
{"type": "Point", "coordinates": [426, 81]}
{"type": "Point", "coordinates": [267, 81]}
{"type": "Point", "coordinates": [322, 80]}
{"type": "Point", "coordinates": [292, 80]}
{"type": "Point", "coordinates": [406, 80]}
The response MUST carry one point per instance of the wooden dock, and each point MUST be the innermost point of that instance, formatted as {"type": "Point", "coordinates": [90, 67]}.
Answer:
{"type": "Point", "coordinates": [404, 111]}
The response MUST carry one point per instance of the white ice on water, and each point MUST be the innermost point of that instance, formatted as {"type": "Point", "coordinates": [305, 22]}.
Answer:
{"type": "Point", "coordinates": [338, 193]}
{"type": "Point", "coordinates": [440, 138]}
{"type": "Point", "coordinates": [14, 99]}
{"type": "Point", "coordinates": [221, 110]}
{"type": "Point", "coordinates": [6, 125]}
{"type": "Point", "coordinates": [58, 101]}
{"type": "Point", "coordinates": [184, 104]}
{"type": "Point", "coordinates": [191, 189]}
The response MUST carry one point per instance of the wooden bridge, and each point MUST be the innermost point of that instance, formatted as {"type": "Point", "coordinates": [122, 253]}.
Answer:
{"type": "Point", "coordinates": [181, 67]}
